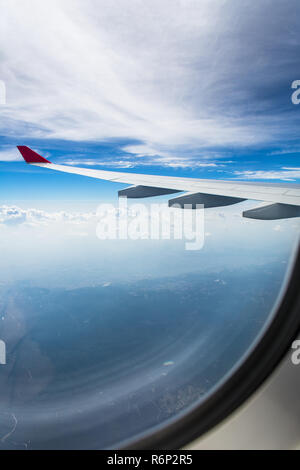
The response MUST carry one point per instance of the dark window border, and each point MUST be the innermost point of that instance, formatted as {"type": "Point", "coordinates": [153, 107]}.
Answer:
{"type": "Point", "coordinates": [255, 369]}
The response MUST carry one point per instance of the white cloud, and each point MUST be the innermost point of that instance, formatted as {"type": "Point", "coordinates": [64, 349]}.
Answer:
{"type": "Point", "coordinates": [150, 155]}
{"type": "Point", "coordinates": [143, 155]}
{"type": "Point", "coordinates": [13, 215]}
{"type": "Point", "coordinates": [10, 155]}
{"type": "Point", "coordinates": [170, 162]}
{"type": "Point", "coordinates": [285, 174]}
{"type": "Point", "coordinates": [145, 151]}
{"type": "Point", "coordinates": [294, 168]}
{"type": "Point", "coordinates": [171, 74]}
{"type": "Point", "coordinates": [110, 163]}
{"type": "Point", "coordinates": [285, 151]}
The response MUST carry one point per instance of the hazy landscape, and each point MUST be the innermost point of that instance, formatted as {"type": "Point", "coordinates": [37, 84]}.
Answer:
{"type": "Point", "coordinates": [95, 365]}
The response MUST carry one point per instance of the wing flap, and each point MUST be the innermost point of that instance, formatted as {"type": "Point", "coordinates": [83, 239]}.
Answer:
{"type": "Point", "coordinates": [208, 200]}
{"type": "Point", "coordinates": [135, 192]}
{"type": "Point", "coordinates": [273, 212]}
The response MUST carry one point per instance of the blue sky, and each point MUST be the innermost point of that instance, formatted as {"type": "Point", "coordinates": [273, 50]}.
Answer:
{"type": "Point", "coordinates": [200, 89]}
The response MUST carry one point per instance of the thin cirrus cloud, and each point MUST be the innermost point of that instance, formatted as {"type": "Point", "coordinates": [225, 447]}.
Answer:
{"type": "Point", "coordinates": [161, 161]}
{"type": "Point", "coordinates": [285, 174]}
{"type": "Point", "coordinates": [175, 76]}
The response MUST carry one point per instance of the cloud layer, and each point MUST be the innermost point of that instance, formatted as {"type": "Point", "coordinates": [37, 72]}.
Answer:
{"type": "Point", "coordinates": [14, 215]}
{"type": "Point", "coordinates": [174, 75]}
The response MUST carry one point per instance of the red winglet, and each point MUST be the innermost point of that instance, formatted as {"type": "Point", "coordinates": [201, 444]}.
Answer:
{"type": "Point", "coordinates": [30, 156]}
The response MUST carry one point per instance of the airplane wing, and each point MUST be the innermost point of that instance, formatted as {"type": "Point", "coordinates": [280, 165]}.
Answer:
{"type": "Point", "coordinates": [283, 200]}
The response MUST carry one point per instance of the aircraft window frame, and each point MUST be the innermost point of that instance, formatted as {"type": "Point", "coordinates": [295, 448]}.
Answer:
{"type": "Point", "coordinates": [255, 368]}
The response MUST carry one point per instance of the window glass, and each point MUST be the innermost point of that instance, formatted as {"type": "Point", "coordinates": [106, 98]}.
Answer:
{"type": "Point", "coordinates": [116, 318]}
{"type": "Point", "coordinates": [106, 339]}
